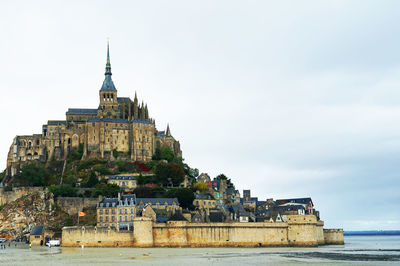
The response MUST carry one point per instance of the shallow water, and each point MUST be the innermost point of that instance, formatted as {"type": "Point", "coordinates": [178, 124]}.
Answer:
{"type": "Point", "coordinates": [358, 250]}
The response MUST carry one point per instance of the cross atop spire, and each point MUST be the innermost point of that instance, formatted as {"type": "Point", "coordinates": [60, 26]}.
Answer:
{"type": "Point", "coordinates": [108, 64]}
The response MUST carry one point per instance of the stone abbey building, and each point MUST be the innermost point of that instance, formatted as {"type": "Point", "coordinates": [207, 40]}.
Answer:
{"type": "Point", "coordinates": [117, 125]}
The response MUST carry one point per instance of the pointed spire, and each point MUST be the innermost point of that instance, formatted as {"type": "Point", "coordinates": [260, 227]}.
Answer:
{"type": "Point", "coordinates": [108, 64]}
{"type": "Point", "coordinates": [108, 84]}
{"type": "Point", "coordinates": [135, 97]}
{"type": "Point", "coordinates": [168, 133]}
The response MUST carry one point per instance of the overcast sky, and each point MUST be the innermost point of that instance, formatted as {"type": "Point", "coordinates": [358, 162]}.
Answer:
{"type": "Point", "coordinates": [287, 98]}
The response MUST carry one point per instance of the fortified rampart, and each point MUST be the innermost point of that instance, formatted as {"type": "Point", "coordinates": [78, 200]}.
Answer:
{"type": "Point", "coordinates": [333, 236]}
{"type": "Point", "coordinates": [72, 205]}
{"type": "Point", "coordinates": [16, 193]}
{"type": "Point", "coordinates": [299, 230]}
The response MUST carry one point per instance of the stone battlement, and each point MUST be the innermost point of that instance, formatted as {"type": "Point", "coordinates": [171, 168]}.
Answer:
{"type": "Point", "coordinates": [300, 230]}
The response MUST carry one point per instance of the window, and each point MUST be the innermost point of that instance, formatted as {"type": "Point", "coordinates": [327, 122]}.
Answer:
{"type": "Point", "coordinates": [120, 218]}
{"type": "Point", "coordinates": [131, 217]}
{"type": "Point", "coordinates": [112, 218]}
{"type": "Point", "coordinates": [101, 218]}
{"type": "Point", "coordinates": [120, 211]}
{"type": "Point", "coordinates": [106, 218]}
{"type": "Point", "coordinates": [101, 212]}
{"type": "Point", "coordinates": [126, 211]}
{"type": "Point", "coordinates": [113, 211]}
{"type": "Point", "coordinates": [126, 218]}
{"type": "Point", "coordinates": [131, 211]}
{"type": "Point", "coordinates": [107, 211]}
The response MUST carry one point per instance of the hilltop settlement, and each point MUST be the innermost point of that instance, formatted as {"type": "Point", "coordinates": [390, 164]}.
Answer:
{"type": "Point", "coordinates": [108, 177]}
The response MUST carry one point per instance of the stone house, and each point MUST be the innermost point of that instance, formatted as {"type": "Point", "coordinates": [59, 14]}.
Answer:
{"type": "Point", "coordinates": [126, 182]}
{"type": "Point", "coordinates": [204, 201]}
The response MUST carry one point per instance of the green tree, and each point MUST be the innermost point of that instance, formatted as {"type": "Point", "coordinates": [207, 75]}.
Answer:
{"type": "Point", "coordinates": [63, 191]}
{"type": "Point", "coordinates": [176, 174]}
{"type": "Point", "coordinates": [193, 172]}
{"type": "Point", "coordinates": [93, 180]}
{"type": "Point", "coordinates": [143, 192]}
{"type": "Point", "coordinates": [159, 192]}
{"type": "Point", "coordinates": [106, 190]}
{"type": "Point", "coordinates": [228, 180]}
{"type": "Point", "coordinates": [162, 173]}
{"type": "Point", "coordinates": [76, 154]}
{"type": "Point", "coordinates": [185, 196]}
{"type": "Point", "coordinates": [163, 153]}
{"type": "Point", "coordinates": [32, 174]}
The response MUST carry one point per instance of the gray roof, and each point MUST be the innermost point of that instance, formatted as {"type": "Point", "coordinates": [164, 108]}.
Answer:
{"type": "Point", "coordinates": [119, 120]}
{"type": "Point", "coordinates": [123, 99]}
{"type": "Point", "coordinates": [204, 196]}
{"type": "Point", "coordinates": [294, 200]}
{"type": "Point", "coordinates": [37, 230]}
{"type": "Point", "coordinates": [237, 208]}
{"type": "Point", "coordinates": [80, 111]}
{"type": "Point", "coordinates": [103, 203]}
{"type": "Point", "coordinates": [154, 201]}
{"type": "Point", "coordinates": [108, 84]}
{"type": "Point", "coordinates": [56, 122]}
{"type": "Point", "coordinates": [121, 177]}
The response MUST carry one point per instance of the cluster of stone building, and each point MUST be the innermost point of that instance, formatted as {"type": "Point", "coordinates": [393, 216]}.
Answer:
{"type": "Point", "coordinates": [219, 203]}
{"type": "Point", "coordinates": [223, 204]}
{"type": "Point", "coordinates": [118, 124]}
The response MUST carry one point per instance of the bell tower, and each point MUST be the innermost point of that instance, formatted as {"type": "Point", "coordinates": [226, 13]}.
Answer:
{"type": "Point", "coordinates": [108, 107]}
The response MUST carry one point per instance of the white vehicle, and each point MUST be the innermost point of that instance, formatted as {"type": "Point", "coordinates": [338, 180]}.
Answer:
{"type": "Point", "coordinates": [2, 240]}
{"type": "Point", "coordinates": [53, 243]}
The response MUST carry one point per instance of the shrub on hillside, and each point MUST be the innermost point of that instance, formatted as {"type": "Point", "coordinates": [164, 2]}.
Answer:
{"type": "Point", "coordinates": [63, 191]}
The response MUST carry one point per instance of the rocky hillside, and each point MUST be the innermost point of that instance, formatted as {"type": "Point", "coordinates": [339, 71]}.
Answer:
{"type": "Point", "coordinates": [19, 216]}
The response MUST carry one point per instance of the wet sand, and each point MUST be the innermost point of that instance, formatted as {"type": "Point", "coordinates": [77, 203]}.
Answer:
{"type": "Point", "coordinates": [356, 251]}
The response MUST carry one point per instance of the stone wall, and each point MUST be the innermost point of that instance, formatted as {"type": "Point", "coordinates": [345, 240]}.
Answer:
{"type": "Point", "coordinates": [333, 236]}
{"type": "Point", "coordinates": [300, 230]}
{"type": "Point", "coordinates": [95, 237]}
{"type": "Point", "coordinates": [72, 205]}
{"type": "Point", "coordinates": [16, 193]}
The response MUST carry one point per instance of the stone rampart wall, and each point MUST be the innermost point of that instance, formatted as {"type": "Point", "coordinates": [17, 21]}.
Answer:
{"type": "Point", "coordinates": [95, 237]}
{"type": "Point", "coordinates": [16, 193]}
{"type": "Point", "coordinates": [333, 236]}
{"type": "Point", "coordinates": [72, 205]}
{"type": "Point", "coordinates": [302, 232]}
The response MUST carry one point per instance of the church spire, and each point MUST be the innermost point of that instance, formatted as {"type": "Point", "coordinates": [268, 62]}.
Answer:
{"type": "Point", "coordinates": [108, 84]}
{"type": "Point", "coordinates": [108, 64]}
{"type": "Point", "coordinates": [168, 133]}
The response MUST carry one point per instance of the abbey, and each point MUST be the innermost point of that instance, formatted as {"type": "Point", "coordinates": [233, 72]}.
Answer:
{"type": "Point", "coordinates": [118, 126]}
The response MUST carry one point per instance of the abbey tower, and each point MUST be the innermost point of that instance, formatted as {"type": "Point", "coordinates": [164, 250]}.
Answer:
{"type": "Point", "coordinates": [117, 125]}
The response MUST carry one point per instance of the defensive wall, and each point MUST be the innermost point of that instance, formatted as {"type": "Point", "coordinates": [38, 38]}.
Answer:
{"type": "Point", "coordinates": [16, 193]}
{"type": "Point", "coordinates": [299, 230]}
{"type": "Point", "coordinates": [333, 236]}
{"type": "Point", "coordinates": [72, 205]}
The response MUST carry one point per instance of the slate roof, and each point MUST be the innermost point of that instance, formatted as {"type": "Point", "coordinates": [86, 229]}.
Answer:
{"type": "Point", "coordinates": [154, 201]}
{"type": "Point", "coordinates": [204, 196]}
{"type": "Point", "coordinates": [103, 203]}
{"type": "Point", "coordinates": [291, 207]}
{"type": "Point", "coordinates": [108, 84]}
{"type": "Point", "coordinates": [177, 216]}
{"type": "Point", "coordinates": [296, 200]}
{"type": "Point", "coordinates": [123, 99]}
{"type": "Point", "coordinates": [217, 217]}
{"type": "Point", "coordinates": [237, 208]}
{"type": "Point", "coordinates": [56, 122]}
{"type": "Point", "coordinates": [37, 230]}
{"type": "Point", "coordinates": [121, 177]}
{"type": "Point", "coordinates": [81, 111]}
{"type": "Point", "coordinates": [119, 120]}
